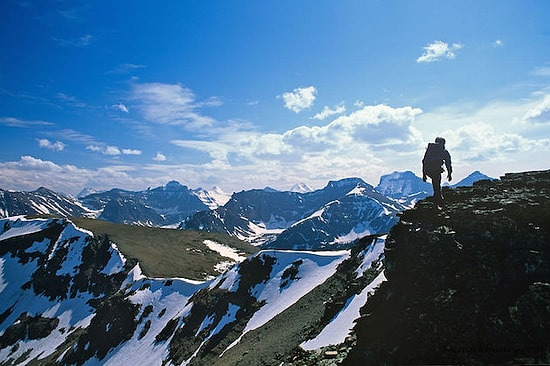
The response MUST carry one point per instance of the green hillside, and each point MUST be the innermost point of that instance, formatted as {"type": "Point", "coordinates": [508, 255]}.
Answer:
{"type": "Point", "coordinates": [166, 252]}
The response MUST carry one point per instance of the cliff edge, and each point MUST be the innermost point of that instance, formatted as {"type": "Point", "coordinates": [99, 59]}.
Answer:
{"type": "Point", "coordinates": [468, 283]}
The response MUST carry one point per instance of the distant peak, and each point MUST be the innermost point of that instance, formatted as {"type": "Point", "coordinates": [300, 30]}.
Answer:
{"type": "Point", "coordinates": [301, 188]}
{"type": "Point", "coordinates": [174, 185]}
{"type": "Point", "coordinates": [346, 182]}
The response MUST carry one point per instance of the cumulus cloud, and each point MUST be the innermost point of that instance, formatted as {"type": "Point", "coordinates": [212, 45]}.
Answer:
{"type": "Point", "coordinates": [438, 50]}
{"type": "Point", "coordinates": [498, 43]}
{"type": "Point", "coordinates": [377, 127]}
{"type": "Point", "coordinates": [299, 99]}
{"type": "Point", "coordinates": [327, 111]}
{"type": "Point", "coordinates": [159, 157]}
{"type": "Point", "coordinates": [47, 144]}
{"type": "Point", "coordinates": [171, 104]}
{"type": "Point", "coordinates": [480, 142]}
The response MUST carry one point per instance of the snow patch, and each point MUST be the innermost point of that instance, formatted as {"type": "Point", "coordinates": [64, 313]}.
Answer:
{"type": "Point", "coordinates": [338, 329]}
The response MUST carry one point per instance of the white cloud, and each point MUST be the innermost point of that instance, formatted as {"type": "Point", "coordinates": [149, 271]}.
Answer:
{"type": "Point", "coordinates": [299, 99]}
{"type": "Point", "coordinates": [159, 157]}
{"type": "Point", "coordinates": [30, 173]}
{"type": "Point", "coordinates": [347, 139]}
{"type": "Point", "coordinates": [16, 122]}
{"type": "Point", "coordinates": [498, 43]}
{"type": "Point", "coordinates": [437, 50]}
{"type": "Point", "coordinates": [81, 41]}
{"type": "Point", "coordinates": [540, 113]}
{"type": "Point", "coordinates": [542, 71]}
{"type": "Point", "coordinates": [126, 68]}
{"type": "Point", "coordinates": [131, 152]}
{"type": "Point", "coordinates": [55, 146]}
{"type": "Point", "coordinates": [494, 138]}
{"type": "Point", "coordinates": [171, 104]}
{"type": "Point", "coordinates": [94, 148]}
{"type": "Point", "coordinates": [480, 142]}
{"type": "Point", "coordinates": [327, 111]}
{"type": "Point", "coordinates": [121, 107]}
{"type": "Point", "coordinates": [112, 150]}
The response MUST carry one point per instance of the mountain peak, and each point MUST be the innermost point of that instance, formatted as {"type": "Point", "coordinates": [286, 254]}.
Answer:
{"type": "Point", "coordinates": [472, 178]}
{"type": "Point", "coordinates": [402, 184]}
{"type": "Point", "coordinates": [301, 188]}
{"type": "Point", "coordinates": [350, 183]}
{"type": "Point", "coordinates": [174, 185]}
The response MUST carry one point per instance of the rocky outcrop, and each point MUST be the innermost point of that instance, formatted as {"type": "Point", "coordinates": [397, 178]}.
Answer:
{"type": "Point", "coordinates": [468, 282]}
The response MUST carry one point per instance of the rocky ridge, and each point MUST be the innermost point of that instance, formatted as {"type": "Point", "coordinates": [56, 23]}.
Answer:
{"type": "Point", "coordinates": [468, 282]}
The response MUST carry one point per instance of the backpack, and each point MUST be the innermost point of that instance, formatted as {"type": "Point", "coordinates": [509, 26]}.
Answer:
{"type": "Point", "coordinates": [433, 158]}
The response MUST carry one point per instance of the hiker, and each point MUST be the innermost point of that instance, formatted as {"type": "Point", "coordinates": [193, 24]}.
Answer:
{"type": "Point", "coordinates": [432, 165]}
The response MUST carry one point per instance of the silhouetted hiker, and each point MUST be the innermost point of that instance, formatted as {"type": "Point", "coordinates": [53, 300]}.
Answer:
{"type": "Point", "coordinates": [432, 165]}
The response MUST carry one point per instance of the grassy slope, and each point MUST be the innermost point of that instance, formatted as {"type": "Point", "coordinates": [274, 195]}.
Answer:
{"type": "Point", "coordinates": [166, 252]}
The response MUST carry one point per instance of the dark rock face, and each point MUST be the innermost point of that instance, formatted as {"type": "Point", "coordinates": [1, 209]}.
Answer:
{"type": "Point", "coordinates": [468, 283]}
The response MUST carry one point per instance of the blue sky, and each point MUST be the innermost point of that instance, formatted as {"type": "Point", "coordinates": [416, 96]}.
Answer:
{"type": "Point", "coordinates": [248, 94]}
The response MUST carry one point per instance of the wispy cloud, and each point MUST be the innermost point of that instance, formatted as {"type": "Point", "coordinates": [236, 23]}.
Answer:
{"type": "Point", "coordinates": [498, 43]}
{"type": "Point", "coordinates": [125, 68]}
{"type": "Point", "coordinates": [82, 41]}
{"type": "Point", "coordinates": [327, 111]}
{"type": "Point", "coordinates": [438, 50]}
{"type": "Point", "coordinates": [540, 113]}
{"type": "Point", "coordinates": [171, 104]}
{"type": "Point", "coordinates": [47, 144]}
{"type": "Point", "coordinates": [299, 99]}
{"type": "Point", "coordinates": [16, 122]}
{"type": "Point", "coordinates": [71, 100]}
{"type": "Point", "coordinates": [120, 107]}
{"type": "Point", "coordinates": [542, 71]}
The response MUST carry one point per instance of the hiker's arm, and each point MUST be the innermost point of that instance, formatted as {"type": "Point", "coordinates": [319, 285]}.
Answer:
{"type": "Point", "coordinates": [448, 165]}
{"type": "Point", "coordinates": [424, 170]}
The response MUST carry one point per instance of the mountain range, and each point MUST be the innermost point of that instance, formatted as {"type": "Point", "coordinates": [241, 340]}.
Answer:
{"type": "Point", "coordinates": [331, 217]}
{"type": "Point", "coordinates": [463, 283]}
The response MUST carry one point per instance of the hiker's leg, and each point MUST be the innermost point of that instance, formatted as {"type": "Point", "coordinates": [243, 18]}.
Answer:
{"type": "Point", "coordinates": [436, 184]}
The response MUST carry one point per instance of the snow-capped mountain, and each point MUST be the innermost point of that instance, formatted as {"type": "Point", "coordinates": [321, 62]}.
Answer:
{"type": "Point", "coordinates": [161, 206]}
{"type": "Point", "coordinates": [408, 188]}
{"type": "Point", "coordinates": [39, 202]}
{"type": "Point", "coordinates": [471, 179]}
{"type": "Point", "coordinates": [301, 188]}
{"type": "Point", "coordinates": [86, 191]}
{"type": "Point", "coordinates": [67, 297]}
{"type": "Point", "coordinates": [213, 198]}
{"type": "Point", "coordinates": [330, 217]}
{"type": "Point", "coordinates": [403, 185]}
